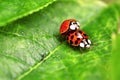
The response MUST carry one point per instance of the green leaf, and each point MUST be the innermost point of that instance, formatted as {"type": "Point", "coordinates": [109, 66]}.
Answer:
{"type": "Point", "coordinates": [11, 10]}
{"type": "Point", "coordinates": [115, 64]}
{"type": "Point", "coordinates": [66, 63]}
{"type": "Point", "coordinates": [30, 48]}
{"type": "Point", "coordinates": [114, 61]}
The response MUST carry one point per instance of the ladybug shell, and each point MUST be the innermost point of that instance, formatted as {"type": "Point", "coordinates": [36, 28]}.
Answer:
{"type": "Point", "coordinates": [65, 26]}
{"type": "Point", "coordinates": [73, 39]}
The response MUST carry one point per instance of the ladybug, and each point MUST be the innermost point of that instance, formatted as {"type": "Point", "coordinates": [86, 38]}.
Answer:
{"type": "Point", "coordinates": [69, 25]}
{"type": "Point", "coordinates": [78, 38]}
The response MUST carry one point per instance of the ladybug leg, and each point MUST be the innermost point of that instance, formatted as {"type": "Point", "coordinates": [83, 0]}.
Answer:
{"type": "Point", "coordinates": [73, 47]}
{"type": "Point", "coordinates": [81, 50]}
{"type": "Point", "coordinates": [61, 39]}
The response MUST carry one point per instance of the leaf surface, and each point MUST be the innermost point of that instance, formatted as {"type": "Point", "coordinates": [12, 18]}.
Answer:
{"type": "Point", "coordinates": [11, 10]}
{"type": "Point", "coordinates": [31, 48]}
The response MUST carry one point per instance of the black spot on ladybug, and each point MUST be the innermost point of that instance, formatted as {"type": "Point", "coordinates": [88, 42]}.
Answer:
{"type": "Point", "coordinates": [76, 34]}
{"type": "Point", "coordinates": [72, 37]}
{"type": "Point", "coordinates": [76, 42]}
{"type": "Point", "coordinates": [71, 42]}
{"type": "Point", "coordinates": [68, 34]}
{"type": "Point", "coordinates": [74, 23]}
{"type": "Point", "coordinates": [80, 32]}
{"type": "Point", "coordinates": [82, 42]}
{"type": "Point", "coordinates": [78, 38]}
{"type": "Point", "coordinates": [85, 34]}
{"type": "Point", "coordinates": [72, 31]}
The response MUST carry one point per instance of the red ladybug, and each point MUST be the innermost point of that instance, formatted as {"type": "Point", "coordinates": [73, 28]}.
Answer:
{"type": "Point", "coordinates": [69, 25]}
{"type": "Point", "coordinates": [78, 38]}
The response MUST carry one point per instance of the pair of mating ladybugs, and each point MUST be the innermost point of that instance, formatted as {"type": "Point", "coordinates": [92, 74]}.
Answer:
{"type": "Point", "coordinates": [75, 37]}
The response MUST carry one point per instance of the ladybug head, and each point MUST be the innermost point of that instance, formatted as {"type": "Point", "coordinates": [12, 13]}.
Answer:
{"type": "Point", "coordinates": [85, 43]}
{"type": "Point", "coordinates": [74, 25]}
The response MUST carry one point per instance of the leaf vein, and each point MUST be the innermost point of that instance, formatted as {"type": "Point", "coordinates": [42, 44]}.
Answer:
{"type": "Point", "coordinates": [38, 64]}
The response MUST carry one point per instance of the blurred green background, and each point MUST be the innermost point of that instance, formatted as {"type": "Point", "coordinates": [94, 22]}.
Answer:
{"type": "Point", "coordinates": [31, 47]}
